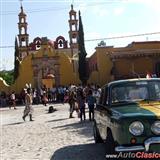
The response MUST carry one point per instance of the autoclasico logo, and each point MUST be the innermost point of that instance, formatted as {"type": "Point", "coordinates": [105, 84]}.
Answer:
{"type": "Point", "coordinates": [139, 155]}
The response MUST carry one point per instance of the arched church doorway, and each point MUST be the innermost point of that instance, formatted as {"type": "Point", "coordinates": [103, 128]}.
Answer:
{"type": "Point", "coordinates": [46, 72]}
{"type": "Point", "coordinates": [49, 81]}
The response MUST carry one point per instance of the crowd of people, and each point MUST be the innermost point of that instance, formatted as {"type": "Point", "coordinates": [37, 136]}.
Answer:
{"type": "Point", "coordinates": [77, 96]}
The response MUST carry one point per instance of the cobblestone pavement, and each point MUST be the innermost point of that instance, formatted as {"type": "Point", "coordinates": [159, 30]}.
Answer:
{"type": "Point", "coordinates": [49, 137]}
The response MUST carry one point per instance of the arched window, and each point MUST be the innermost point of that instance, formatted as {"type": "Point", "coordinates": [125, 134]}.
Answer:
{"type": "Point", "coordinates": [23, 43]}
{"type": "Point", "coordinates": [60, 43]}
{"type": "Point", "coordinates": [22, 30]}
{"type": "Point", "coordinates": [73, 27]}
{"type": "Point", "coordinates": [38, 44]}
{"type": "Point", "coordinates": [22, 20]}
{"type": "Point", "coordinates": [74, 40]}
{"type": "Point", "coordinates": [73, 17]}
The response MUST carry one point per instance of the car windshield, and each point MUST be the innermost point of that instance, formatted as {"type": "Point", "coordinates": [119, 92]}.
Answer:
{"type": "Point", "coordinates": [131, 92]}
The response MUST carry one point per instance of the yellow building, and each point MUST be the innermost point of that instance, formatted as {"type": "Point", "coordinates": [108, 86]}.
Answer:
{"type": "Point", "coordinates": [3, 85]}
{"type": "Point", "coordinates": [46, 62]}
{"type": "Point", "coordinates": [135, 60]}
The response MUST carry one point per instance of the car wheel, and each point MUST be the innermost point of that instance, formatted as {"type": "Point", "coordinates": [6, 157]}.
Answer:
{"type": "Point", "coordinates": [110, 145]}
{"type": "Point", "coordinates": [96, 134]}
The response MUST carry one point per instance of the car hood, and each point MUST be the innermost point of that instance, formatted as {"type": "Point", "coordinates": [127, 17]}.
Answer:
{"type": "Point", "coordinates": [143, 110]}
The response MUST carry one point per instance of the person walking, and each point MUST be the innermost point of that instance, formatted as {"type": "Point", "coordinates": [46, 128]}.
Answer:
{"type": "Point", "coordinates": [13, 100]}
{"type": "Point", "coordinates": [97, 94]}
{"type": "Point", "coordinates": [91, 101]}
{"type": "Point", "coordinates": [71, 101]}
{"type": "Point", "coordinates": [45, 99]}
{"type": "Point", "coordinates": [81, 104]}
{"type": "Point", "coordinates": [28, 105]}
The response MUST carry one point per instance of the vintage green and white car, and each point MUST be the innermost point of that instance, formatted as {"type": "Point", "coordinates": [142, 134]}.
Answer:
{"type": "Point", "coordinates": [127, 116]}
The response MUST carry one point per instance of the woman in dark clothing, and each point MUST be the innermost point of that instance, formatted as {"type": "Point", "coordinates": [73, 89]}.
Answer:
{"type": "Point", "coordinates": [91, 103]}
{"type": "Point", "coordinates": [81, 104]}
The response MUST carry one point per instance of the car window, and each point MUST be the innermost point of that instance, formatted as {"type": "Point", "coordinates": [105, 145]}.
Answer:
{"type": "Point", "coordinates": [157, 90]}
{"type": "Point", "coordinates": [135, 91]}
{"type": "Point", "coordinates": [104, 96]}
{"type": "Point", "coordinates": [138, 93]}
{"type": "Point", "coordinates": [154, 90]}
{"type": "Point", "coordinates": [101, 97]}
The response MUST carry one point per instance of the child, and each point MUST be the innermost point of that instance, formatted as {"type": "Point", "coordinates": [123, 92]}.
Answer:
{"type": "Point", "coordinates": [13, 100]}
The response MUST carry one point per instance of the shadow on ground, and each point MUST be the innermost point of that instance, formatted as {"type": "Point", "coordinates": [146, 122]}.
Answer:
{"type": "Point", "coordinates": [14, 123]}
{"type": "Point", "coordinates": [83, 128]}
{"type": "Point", "coordinates": [80, 152]}
{"type": "Point", "coordinates": [56, 120]}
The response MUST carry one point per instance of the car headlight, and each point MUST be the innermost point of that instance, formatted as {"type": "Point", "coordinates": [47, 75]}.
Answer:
{"type": "Point", "coordinates": [156, 127]}
{"type": "Point", "coordinates": [136, 128]}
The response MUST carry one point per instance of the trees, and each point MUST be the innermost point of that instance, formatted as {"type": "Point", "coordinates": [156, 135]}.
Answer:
{"type": "Point", "coordinates": [16, 62]}
{"type": "Point", "coordinates": [7, 76]}
{"type": "Point", "coordinates": [11, 76]}
{"type": "Point", "coordinates": [82, 69]}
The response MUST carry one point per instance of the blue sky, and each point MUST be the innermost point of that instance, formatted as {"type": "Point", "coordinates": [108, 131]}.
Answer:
{"type": "Point", "coordinates": [101, 19]}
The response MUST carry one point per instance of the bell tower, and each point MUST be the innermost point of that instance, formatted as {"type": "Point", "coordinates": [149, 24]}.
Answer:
{"type": "Point", "coordinates": [23, 37]}
{"type": "Point", "coordinates": [73, 26]}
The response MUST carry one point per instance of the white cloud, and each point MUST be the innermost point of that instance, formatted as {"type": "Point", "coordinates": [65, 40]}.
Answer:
{"type": "Point", "coordinates": [6, 63]}
{"type": "Point", "coordinates": [122, 42]}
{"type": "Point", "coordinates": [118, 11]}
{"type": "Point", "coordinates": [82, 7]}
{"type": "Point", "coordinates": [120, 34]}
{"type": "Point", "coordinates": [100, 11]}
{"type": "Point", "coordinates": [153, 4]}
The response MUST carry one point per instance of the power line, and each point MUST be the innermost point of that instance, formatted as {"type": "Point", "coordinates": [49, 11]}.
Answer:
{"type": "Point", "coordinates": [36, 11]}
{"type": "Point", "coordinates": [6, 46]}
{"type": "Point", "coordinates": [107, 38]}
{"type": "Point", "coordinates": [119, 37]}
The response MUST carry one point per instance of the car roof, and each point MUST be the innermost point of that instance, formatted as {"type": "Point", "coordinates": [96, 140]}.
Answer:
{"type": "Point", "coordinates": [131, 80]}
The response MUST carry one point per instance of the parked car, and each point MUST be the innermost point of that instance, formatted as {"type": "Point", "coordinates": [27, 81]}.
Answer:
{"type": "Point", "coordinates": [127, 116]}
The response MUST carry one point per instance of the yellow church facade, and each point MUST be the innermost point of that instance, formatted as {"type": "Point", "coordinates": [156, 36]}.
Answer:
{"type": "Point", "coordinates": [46, 67]}
{"type": "Point", "coordinates": [44, 61]}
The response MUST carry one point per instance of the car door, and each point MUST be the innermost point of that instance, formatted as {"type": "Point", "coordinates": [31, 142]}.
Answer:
{"type": "Point", "coordinates": [102, 113]}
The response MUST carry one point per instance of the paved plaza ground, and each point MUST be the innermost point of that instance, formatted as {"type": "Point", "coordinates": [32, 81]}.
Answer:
{"type": "Point", "coordinates": [49, 137]}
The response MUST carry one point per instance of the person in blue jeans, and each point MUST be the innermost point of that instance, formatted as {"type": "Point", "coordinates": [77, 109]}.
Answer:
{"type": "Point", "coordinates": [91, 101]}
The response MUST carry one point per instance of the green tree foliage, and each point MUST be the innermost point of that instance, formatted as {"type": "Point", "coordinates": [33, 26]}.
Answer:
{"type": "Point", "coordinates": [8, 76]}
{"type": "Point", "coordinates": [82, 69]}
{"type": "Point", "coordinates": [16, 62]}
